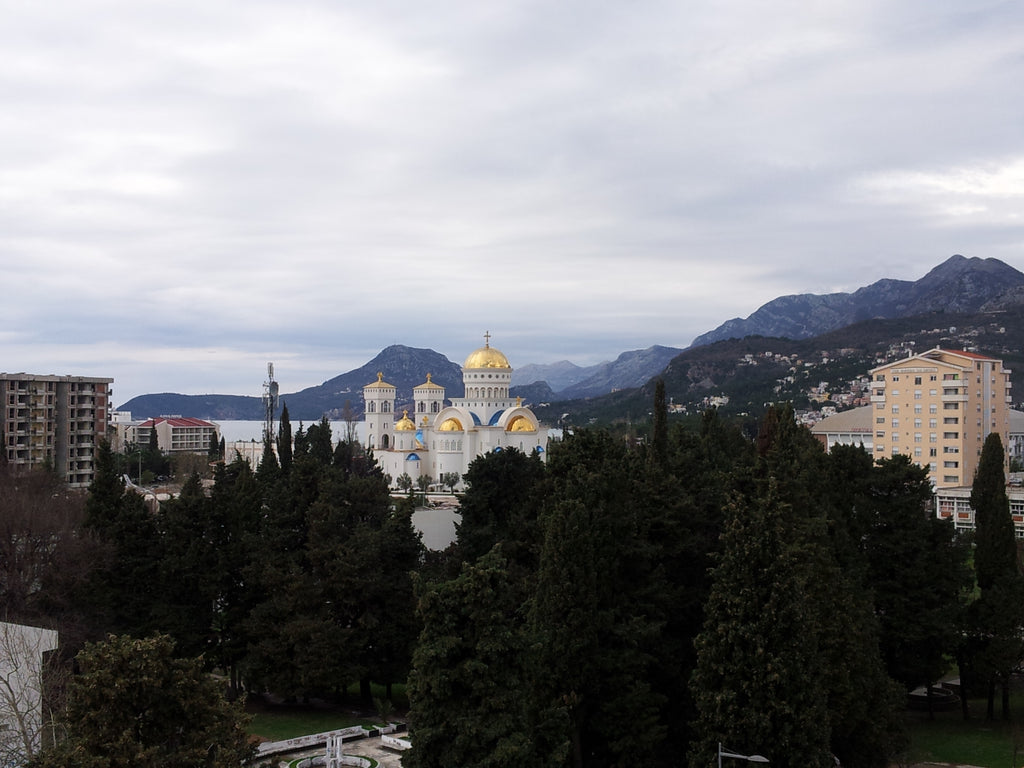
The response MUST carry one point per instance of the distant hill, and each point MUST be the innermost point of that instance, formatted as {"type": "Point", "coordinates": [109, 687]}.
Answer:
{"type": "Point", "coordinates": [958, 285]}
{"type": "Point", "coordinates": [569, 382]}
{"type": "Point", "coordinates": [405, 367]}
{"type": "Point", "coordinates": [757, 370]}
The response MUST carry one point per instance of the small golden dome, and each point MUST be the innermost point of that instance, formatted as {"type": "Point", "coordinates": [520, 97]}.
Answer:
{"type": "Point", "coordinates": [380, 382]}
{"type": "Point", "coordinates": [450, 425]}
{"type": "Point", "coordinates": [428, 384]}
{"type": "Point", "coordinates": [486, 357]}
{"type": "Point", "coordinates": [405, 424]}
{"type": "Point", "coordinates": [520, 424]}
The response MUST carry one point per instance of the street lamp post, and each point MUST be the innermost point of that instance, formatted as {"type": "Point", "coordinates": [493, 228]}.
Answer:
{"type": "Point", "coordinates": [749, 758]}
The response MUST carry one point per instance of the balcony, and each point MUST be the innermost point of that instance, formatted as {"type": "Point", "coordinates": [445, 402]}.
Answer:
{"type": "Point", "coordinates": [954, 398]}
{"type": "Point", "coordinates": [878, 398]}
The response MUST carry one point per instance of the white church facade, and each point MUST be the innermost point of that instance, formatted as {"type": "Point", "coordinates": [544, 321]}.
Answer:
{"type": "Point", "coordinates": [436, 438]}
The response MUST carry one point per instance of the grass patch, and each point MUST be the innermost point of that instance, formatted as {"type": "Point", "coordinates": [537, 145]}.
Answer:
{"type": "Point", "coordinates": [288, 722]}
{"type": "Point", "coordinates": [950, 739]}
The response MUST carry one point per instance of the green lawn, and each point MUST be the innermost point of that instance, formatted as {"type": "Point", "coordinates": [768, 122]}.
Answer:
{"type": "Point", "coordinates": [949, 739]}
{"type": "Point", "coordinates": [287, 721]}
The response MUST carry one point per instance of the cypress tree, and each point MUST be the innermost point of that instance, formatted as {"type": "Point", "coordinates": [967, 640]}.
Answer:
{"type": "Point", "coordinates": [997, 615]}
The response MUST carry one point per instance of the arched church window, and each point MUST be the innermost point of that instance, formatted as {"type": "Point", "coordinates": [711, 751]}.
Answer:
{"type": "Point", "coordinates": [371, 407]}
{"type": "Point", "coordinates": [420, 407]}
{"type": "Point", "coordinates": [384, 441]}
{"type": "Point", "coordinates": [434, 407]}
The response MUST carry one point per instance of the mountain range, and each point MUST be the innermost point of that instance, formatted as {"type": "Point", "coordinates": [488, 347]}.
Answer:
{"type": "Point", "coordinates": [957, 286]}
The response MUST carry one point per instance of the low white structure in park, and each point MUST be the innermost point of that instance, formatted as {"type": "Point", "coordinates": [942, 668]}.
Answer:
{"type": "Point", "coordinates": [436, 439]}
{"type": "Point", "coordinates": [22, 649]}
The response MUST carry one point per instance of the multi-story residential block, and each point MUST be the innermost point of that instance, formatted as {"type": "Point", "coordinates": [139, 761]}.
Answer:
{"type": "Point", "coordinates": [55, 421]}
{"type": "Point", "coordinates": [938, 407]}
{"type": "Point", "coordinates": [178, 434]}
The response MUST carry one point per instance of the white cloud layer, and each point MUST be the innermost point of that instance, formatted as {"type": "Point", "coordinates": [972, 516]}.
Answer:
{"type": "Point", "coordinates": [189, 190]}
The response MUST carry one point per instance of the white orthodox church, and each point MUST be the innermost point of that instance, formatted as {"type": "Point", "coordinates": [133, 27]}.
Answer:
{"type": "Point", "coordinates": [438, 438]}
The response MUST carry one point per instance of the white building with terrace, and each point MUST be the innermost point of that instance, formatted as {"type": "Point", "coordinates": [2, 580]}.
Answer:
{"type": "Point", "coordinates": [441, 436]}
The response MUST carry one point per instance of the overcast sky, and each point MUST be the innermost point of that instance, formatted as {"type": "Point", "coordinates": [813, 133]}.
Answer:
{"type": "Point", "coordinates": [189, 190]}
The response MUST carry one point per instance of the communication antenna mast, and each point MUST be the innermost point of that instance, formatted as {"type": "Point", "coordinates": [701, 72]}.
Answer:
{"type": "Point", "coordinates": [269, 403]}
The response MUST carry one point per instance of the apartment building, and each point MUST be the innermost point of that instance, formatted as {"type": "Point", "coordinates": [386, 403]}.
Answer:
{"type": "Point", "coordinates": [55, 421]}
{"type": "Point", "coordinates": [938, 407]}
{"type": "Point", "coordinates": [178, 434]}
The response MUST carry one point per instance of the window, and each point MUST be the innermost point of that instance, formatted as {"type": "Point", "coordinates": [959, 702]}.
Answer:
{"type": "Point", "coordinates": [932, 423]}
{"type": "Point", "coordinates": [951, 478]}
{"type": "Point", "coordinates": [880, 406]}
{"type": "Point", "coordinates": [880, 420]}
{"type": "Point", "coordinates": [951, 449]}
{"type": "Point", "coordinates": [951, 420]}
{"type": "Point", "coordinates": [895, 422]}
{"type": "Point", "coordinates": [895, 449]}
{"type": "Point", "coordinates": [950, 435]}
{"type": "Point", "coordinates": [917, 394]}
{"type": "Point", "coordinates": [879, 377]}
{"type": "Point", "coordinates": [933, 408]}
{"type": "Point", "coordinates": [895, 409]}
{"type": "Point", "coordinates": [951, 464]}
{"type": "Point", "coordinates": [917, 423]}
{"type": "Point", "coordinates": [880, 433]}
{"type": "Point", "coordinates": [917, 437]}
{"type": "Point", "coordinates": [917, 408]}
{"type": "Point", "coordinates": [917, 453]}
{"type": "Point", "coordinates": [933, 452]}
{"type": "Point", "coordinates": [917, 381]}
{"type": "Point", "coordinates": [951, 406]}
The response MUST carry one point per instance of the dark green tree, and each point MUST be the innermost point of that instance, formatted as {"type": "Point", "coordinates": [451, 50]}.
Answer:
{"type": "Point", "coordinates": [500, 505]}
{"type": "Point", "coordinates": [133, 703]}
{"type": "Point", "coordinates": [917, 572]}
{"type": "Point", "coordinates": [995, 556]}
{"type": "Point", "coordinates": [759, 684]}
{"type": "Point", "coordinates": [466, 689]}
{"type": "Point", "coordinates": [284, 439]}
{"type": "Point", "coordinates": [184, 609]}
{"type": "Point", "coordinates": [659, 431]}
{"type": "Point", "coordinates": [595, 612]}
{"type": "Point", "coordinates": [997, 615]}
{"type": "Point", "coordinates": [125, 584]}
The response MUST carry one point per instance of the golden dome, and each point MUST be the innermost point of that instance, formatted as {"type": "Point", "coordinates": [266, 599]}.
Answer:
{"type": "Point", "coordinates": [450, 425]}
{"type": "Point", "coordinates": [486, 357]}
{"type": "Point", "coordinates": [521, 424]}
{"type": "Point", "coordinates": [405, 424]}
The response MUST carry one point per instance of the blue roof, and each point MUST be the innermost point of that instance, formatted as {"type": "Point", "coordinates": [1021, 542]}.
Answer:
{"type": "Point", "coordinates": [412, 457]}
{"type": "Point", "coordinates": [476, 419]}
{"type": "Point", "coordinates": [494, 419]}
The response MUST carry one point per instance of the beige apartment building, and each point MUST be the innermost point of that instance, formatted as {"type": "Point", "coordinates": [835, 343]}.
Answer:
{"type": "Point", "coordinates": [938, 407]}
{"type": "Point", "coordinates": [55, 421]}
